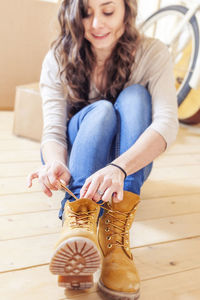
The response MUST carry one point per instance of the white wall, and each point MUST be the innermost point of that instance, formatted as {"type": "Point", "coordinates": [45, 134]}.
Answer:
{"type": "Point", "coordinates": [147, 7]}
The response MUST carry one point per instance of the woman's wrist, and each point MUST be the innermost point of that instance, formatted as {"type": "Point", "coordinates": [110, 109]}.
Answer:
{"type": "Point", "coordinates": [53, 151]}
{"type": "Point", "coordinates": [119, 167]}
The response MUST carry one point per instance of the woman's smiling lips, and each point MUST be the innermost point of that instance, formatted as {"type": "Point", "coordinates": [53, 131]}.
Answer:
{"type": "Point", "coordinates": [100, 36]}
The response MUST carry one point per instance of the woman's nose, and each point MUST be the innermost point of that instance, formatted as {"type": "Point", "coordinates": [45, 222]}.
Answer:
{"type": "Point", "coordinates": [96, 22]}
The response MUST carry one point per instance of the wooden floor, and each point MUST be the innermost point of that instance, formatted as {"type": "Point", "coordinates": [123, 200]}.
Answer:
{"type": "Point", "coordinates": [165, 238]}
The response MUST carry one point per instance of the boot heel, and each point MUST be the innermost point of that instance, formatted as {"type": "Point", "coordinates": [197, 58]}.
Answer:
{"type": "Point", "coordinates": [75, 260]}
{"type": "Point", "coordinates": [75, 282]}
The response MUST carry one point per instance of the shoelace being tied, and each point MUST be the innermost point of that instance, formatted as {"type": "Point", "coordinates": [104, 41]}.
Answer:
{"type": "Point", "coordinates": [83, 219]}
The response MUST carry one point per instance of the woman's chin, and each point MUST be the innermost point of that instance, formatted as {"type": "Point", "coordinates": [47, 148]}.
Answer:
{"type": "Point", "coordinates": [103, 46]}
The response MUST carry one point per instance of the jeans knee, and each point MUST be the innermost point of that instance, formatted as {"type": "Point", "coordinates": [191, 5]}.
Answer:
{"type": "Point", "coordinates": [135, 96]}
{"type": "Point", "coordinates": [135, 107]}
{"type": "Point", "coordinates": [105, 111]}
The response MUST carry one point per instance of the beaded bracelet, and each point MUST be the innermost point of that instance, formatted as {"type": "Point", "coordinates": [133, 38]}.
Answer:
{"type": "Point", "coordinates": [111, 164]}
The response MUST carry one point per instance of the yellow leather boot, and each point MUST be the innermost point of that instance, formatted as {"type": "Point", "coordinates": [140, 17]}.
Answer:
{"type": "Point", "coordinates": [77, 255]}
{"type": "Point", "coordinates": [119, 278]}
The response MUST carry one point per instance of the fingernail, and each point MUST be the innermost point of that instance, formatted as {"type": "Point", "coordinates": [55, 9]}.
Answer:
{"type": "Point", "coordinates": [62, 181]}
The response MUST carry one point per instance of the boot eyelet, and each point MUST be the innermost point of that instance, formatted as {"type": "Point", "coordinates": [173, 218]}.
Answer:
{"type": "Point", "coordinates": [107, 229]}
{"type": "Point", "coordinates": [108, 238]}
{"type": "Point", "coordinates": [107, 221]}
{"type": "Point", "coordinates": [109, 246]}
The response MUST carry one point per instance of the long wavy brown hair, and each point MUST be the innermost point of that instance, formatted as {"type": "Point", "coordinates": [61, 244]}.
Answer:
{"type": "Point", "coordinates": [77, 61]}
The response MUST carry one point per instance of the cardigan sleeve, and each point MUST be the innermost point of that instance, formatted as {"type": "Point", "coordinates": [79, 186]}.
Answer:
{"type": "Point", "coordinates": [161, 85]}
{"type": "Point", "coordinates": [54, 103]}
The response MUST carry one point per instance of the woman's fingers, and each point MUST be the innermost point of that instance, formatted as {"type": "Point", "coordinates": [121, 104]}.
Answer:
{"type": "Point", "coordinates": [46, 190]}
{"type": "Point", "coordinates": [57, 172]}
{"type": "Point", "coordinates": [91, 189]}
{"type": "Point", "coordinates": [108, 195]}
{"type": "Point", "coordinates": [49, 183]}
{"type": "Point", "coordinates": [49, 176]}
{"type": "Point", "coordinates": [34, 175]}
{"type": "Point", "coordinates": [65, 178]}
{"type": "Point", "coordinates": [31, 177]}
{"type": "Point", "coordinates": [106, 184]}
{"type": "Point", "coordinates": [100, 191]}
{"type": "Point", "coordinates": [112, 194]}
{"type": "Point", "coordinates": [84, 188]}
{"type": "Point", "coordinates": [118, 197]}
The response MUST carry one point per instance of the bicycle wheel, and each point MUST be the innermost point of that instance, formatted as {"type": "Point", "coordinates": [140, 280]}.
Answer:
{"type": "Point", "coordinates": [184, 49]}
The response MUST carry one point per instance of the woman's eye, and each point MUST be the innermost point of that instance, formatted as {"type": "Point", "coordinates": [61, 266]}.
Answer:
{"type": "Point", "coordinates": [108, 13]}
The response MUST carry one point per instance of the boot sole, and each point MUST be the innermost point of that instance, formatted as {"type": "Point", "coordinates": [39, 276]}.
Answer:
{"type": "Point", "coordinates": [75, 260]}
{"type": "Point", "coordinates": [115, 295]}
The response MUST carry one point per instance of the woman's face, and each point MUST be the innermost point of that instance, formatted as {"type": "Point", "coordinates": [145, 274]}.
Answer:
{"type": "Point", "coordinates": [104, 23]}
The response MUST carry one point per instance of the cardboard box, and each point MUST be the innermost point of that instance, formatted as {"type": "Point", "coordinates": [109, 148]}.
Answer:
{"type": "Point", "coordinates": [31, 26]}
{"type": "Point", "coordinates": [28, 121]}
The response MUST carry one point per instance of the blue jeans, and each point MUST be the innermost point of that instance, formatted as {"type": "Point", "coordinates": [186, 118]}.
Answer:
{"type": "Point", "coordinates": [101, 131]}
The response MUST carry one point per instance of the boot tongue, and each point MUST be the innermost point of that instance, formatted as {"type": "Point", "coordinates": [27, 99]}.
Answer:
{"type": "Point", "coordinates": [127, 204]}
{"type": "Point", "coordinates": [81, 211]}
{"type": "Point", "coordinates": [82, 205]}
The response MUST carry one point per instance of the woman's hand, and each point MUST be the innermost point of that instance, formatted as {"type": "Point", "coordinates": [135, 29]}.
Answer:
{"type": "Point", "coordinates": [49, 176]}
{"type": "Point", "coordinates": [104, 184]}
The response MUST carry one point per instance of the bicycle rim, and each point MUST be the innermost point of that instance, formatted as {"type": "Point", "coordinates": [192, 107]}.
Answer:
{"type": "Point", "coordinates": [184, 50]}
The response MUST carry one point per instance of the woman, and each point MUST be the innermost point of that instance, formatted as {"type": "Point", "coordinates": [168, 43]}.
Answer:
{"type": "Point", "coordinates": [109, 108]}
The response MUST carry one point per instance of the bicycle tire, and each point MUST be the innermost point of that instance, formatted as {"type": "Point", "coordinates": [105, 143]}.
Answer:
{"type": "Point", "coordinates": [185, 88]}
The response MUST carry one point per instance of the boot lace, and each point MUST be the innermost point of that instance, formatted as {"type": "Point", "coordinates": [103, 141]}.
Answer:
{"type": "Point", "coordinates": [79, 219]}
{"type": "Point", "coordinates": [120, 231]}
{"type": "Point", "coordinates": [82, 219]}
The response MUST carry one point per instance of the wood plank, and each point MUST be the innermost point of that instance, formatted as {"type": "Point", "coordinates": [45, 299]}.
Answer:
{"type": "Point", "coordinates": [27, 203]}
{"type": "Point", "coordinates": [6, 120]}
{"type": "Point", "coordinates": [147, 209]}
{"type": "Point", "coordinates": [26, 252]}
{"type": "Point", "coordinates": [164, 230]}
{"type": "Point", "coordinates": [15, 185]}
{"type": "Point", "coordinates": [144, 232]}
{"type": "Point", "coordinates": [179, 286]}
{"type": "Point", "coordinates": [165, 234]}
{"type": "Point", "coordinates": [153, 263]}
{"type": "Point", "coordinates": [184, 137]}
{"type": "Point", "coordinates": [177, 160]}
{"type": "Point", "coordinates": [19, 156]}
{"type": "Point", "coordinates": [19, 144]}
{"type": "Point", "coordinates": [177, 172]}
{"type": "Point", "coordinates": [168, 258]}
{"type": "Point", "coordinates": [39, 284]}
{"type": "Point", "coordinates": [32, 224]}
{"type": "Point", "coordinates": [166, 173]}
{"type": "Point", "coordinates": [191, 129]}
{"type": "Point", "coordinates": [150, 189]}
{"type": "Point", "coordinates": [34, 202]}
{"type": "Point", "coordinates": [167, 206]}
{"type": "Point", "coordinates": [7, 135]}
{"type": "Point", "coordinates": [33, 154]}
{"type": "Point", "coordinates": [166, 188]}
{"type": "Point", "coordinates": [15, 169]}
{"type": "Point", "coordinates": [183, 148]}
